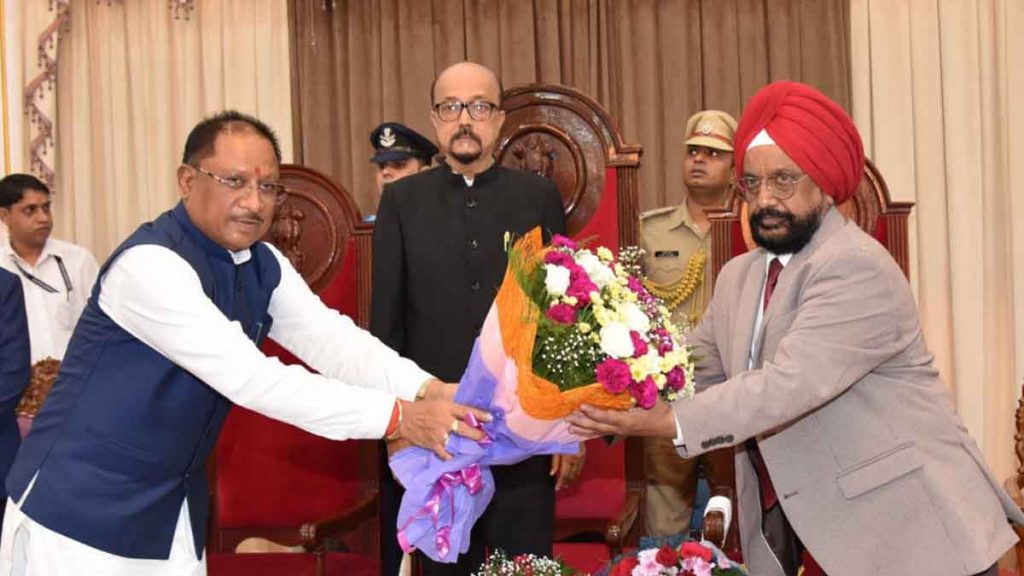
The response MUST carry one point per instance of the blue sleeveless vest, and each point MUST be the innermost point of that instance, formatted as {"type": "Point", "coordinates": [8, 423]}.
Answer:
{"type": "Point", "coordinates": [125, 434]}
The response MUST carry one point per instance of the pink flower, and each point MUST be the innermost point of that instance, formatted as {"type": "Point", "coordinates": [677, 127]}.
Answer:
{"type": "Point", "coordinates": [635, 285]}
{"type": "Point", "coordinates": [646, 393]}
{"type": "Point", "coordinates": [614, 375]}
{"type": "Point", "coordinates": [639, 344]}
{"type": "Point", "coordinates": [675, 379]}
{"type": "Point", "coordinates": [561, 313]}
{"type": "Point", "coordinates": [697, 566]}
{"type": "Point", "coordinates": [664, 340]}
{"type": "Point", "coordinates": [560, 258]}
{"type": "Point", "coordinates": [580, 285]}
{"type": "Point", "coordinates": [648, 565]}
{"type": "Point", "coordinates": [689, 549]}
{"type": "Point", "coordinates": [563, 242]}
{"type": "Point", "coordinates": [642, 294]}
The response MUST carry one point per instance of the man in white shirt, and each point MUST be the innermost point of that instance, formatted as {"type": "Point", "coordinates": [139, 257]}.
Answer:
{"type": "Point", "coordinates": [112, 478]}
{"type": "Point", "coordinates": [56, 276]}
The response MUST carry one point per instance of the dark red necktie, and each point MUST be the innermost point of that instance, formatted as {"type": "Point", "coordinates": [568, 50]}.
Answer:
{"type": "Point", "coordinates": [774, 268]}
{"type": "Point", "coordinates": [768, 496]}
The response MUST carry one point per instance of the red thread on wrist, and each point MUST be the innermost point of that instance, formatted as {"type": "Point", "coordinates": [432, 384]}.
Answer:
{"type": "Point", "coordinates": [396, 417]}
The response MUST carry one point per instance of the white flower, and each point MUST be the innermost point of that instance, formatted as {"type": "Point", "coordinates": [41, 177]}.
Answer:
{"type": "Point", "coordinates": [556, 279]}
{"type": "Point", "coordinates": [605, 254]}
{"type": "Point", "coordinates": [615, 340]}
{"type": "Point", "coordinates": [598, 272]}
{"type": "Point", "coordinates": [634, 317]}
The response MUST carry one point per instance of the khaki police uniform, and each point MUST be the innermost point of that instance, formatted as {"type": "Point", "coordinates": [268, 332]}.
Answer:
{"type": "Point", "coordinates": [677, 265]}
{"type": "Point", "coordinates": [677, 260]}
{"type": "Point", "coordinates": [673, 244]}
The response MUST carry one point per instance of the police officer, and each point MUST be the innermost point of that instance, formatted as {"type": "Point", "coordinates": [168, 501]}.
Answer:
{"type": "Point", "coordinates": [399, 151]}
{"type": "Point", "coordinates": [676, 262]}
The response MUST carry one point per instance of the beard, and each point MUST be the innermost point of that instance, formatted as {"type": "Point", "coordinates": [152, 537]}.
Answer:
{"type": "Point", "coordinates": [465, 158]}
{"type": "Point", "coordinates": [800, 230]}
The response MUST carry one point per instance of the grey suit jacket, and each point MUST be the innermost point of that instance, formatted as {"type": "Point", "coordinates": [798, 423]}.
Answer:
{"type": "Point", "coordinates": [873, 467]}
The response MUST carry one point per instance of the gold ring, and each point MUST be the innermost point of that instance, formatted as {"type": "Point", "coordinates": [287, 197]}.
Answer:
{"type": "Point", "coordinates": [455, 425]}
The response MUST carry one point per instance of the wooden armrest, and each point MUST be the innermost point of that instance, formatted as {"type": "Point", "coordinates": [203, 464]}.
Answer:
{"type": "Point", "coordinates": [311, 536]}
{"type": "Point", "coordinates": [1013, 490]}
{"type": "Point", "coordinates": [619, 527]}
{"type": "Point", "coordinates": [320, 532]}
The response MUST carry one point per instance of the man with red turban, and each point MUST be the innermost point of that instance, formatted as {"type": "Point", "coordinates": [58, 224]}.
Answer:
{"type": "Point", "coordinates": [814, 369]}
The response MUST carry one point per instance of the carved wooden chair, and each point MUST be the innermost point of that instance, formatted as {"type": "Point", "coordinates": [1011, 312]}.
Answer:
{"type": "Point", "coordinates": [1014, 485]}
{"type": "Point", "coordinates": [875, 212]}
{"type": "Point", "coordinates": [277, 483]}
{"type": "Point", "coordinates": [562, 134]}
{"type": "Point", "coordinates": [44, 374]}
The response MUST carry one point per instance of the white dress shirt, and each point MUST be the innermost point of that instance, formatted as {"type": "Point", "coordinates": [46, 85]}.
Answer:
{"type": "Point", "coordinates": [52, 315]}
{"type": "Point", "coordinates": [755, 341]}
{"type": "Point", "coordinates": [721, 503]}
{"type": "Point", "coordinates": [156, 296]}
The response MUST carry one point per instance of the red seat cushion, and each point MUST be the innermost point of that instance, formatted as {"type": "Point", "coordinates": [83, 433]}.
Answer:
{"type": "Point", "coordinates": [584, 557]}
{"type": "Point", "coordinates": [273, 474]}
{"type": "Point", "coordinates": [271, 564]}
{"type": "Point", "coordinates": [601, 488]}
{"type": "Point", "coordinates": [283, 564]}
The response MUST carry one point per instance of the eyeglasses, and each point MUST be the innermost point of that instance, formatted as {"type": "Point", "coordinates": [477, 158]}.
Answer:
{"type": "Point", "coordinates": [781, 185]}
{"type": "Point", "coordinates": [272, 192]}
{"type": "Point", "coordinates": [479, 110]}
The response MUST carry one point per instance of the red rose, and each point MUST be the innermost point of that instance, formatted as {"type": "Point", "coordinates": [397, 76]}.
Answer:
{"type": "Point", "coordinates": [667, 556]}
{"type": "Point", "coordinates": [625, 567]}
{"type": "Point", "coordinates": [695, 549]}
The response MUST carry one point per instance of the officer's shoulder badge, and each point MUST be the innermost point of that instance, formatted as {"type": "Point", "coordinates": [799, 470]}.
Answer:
{"type": "Point", "coordinates": [657, 212]}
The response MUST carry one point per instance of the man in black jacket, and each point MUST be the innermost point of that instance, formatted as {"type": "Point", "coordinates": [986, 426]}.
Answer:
{"type": "Point", "coordinates": [438, 260]}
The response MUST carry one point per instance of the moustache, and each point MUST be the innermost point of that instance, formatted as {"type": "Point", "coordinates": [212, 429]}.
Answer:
{"type": "Point", "coordinates": [251, 217]}
{"type": "Point", "coordinates": [758, 217]}
{"type": "Point", "coordinates": [464, 132]}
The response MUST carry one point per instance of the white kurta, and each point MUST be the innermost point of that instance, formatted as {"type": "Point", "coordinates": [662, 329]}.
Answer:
{"type": "Point", "coordinates": [52, 315]}
{"type": "Point", "coordinates": [157, 297]}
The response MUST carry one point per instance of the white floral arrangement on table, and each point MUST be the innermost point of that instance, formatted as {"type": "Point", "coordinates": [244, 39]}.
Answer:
{"type": "Point", "coordinates": [499, 564]}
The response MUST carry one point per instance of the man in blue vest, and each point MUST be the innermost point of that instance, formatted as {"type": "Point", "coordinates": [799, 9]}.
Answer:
{"type": "Point", "coordinates": [14, 367]}
{"type": "Point", "coordinates": [112, 480]}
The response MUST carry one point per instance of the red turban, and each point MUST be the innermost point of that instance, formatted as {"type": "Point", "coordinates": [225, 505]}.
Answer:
{"type": "Point", "coordinates": [811, 129]}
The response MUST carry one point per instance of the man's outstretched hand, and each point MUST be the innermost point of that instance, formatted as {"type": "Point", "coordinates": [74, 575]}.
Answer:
{"type": "Point", "coordinates": [591, 422]}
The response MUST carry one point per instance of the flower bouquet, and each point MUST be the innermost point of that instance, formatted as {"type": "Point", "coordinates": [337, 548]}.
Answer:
{"type": "Point", "coordinates": [569, 326]}
{"type": "Point", "coordinates": [673, 556]}
{"type": "Point", "coordinates": [498, 564]}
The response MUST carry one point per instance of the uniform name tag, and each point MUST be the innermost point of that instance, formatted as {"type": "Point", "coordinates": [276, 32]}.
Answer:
{"type": "Point", "coordinates": [666, 253]}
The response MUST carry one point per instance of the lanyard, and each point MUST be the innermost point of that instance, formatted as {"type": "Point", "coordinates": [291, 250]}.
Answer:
{"type": "Point", "coordinates": [41, 283]}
